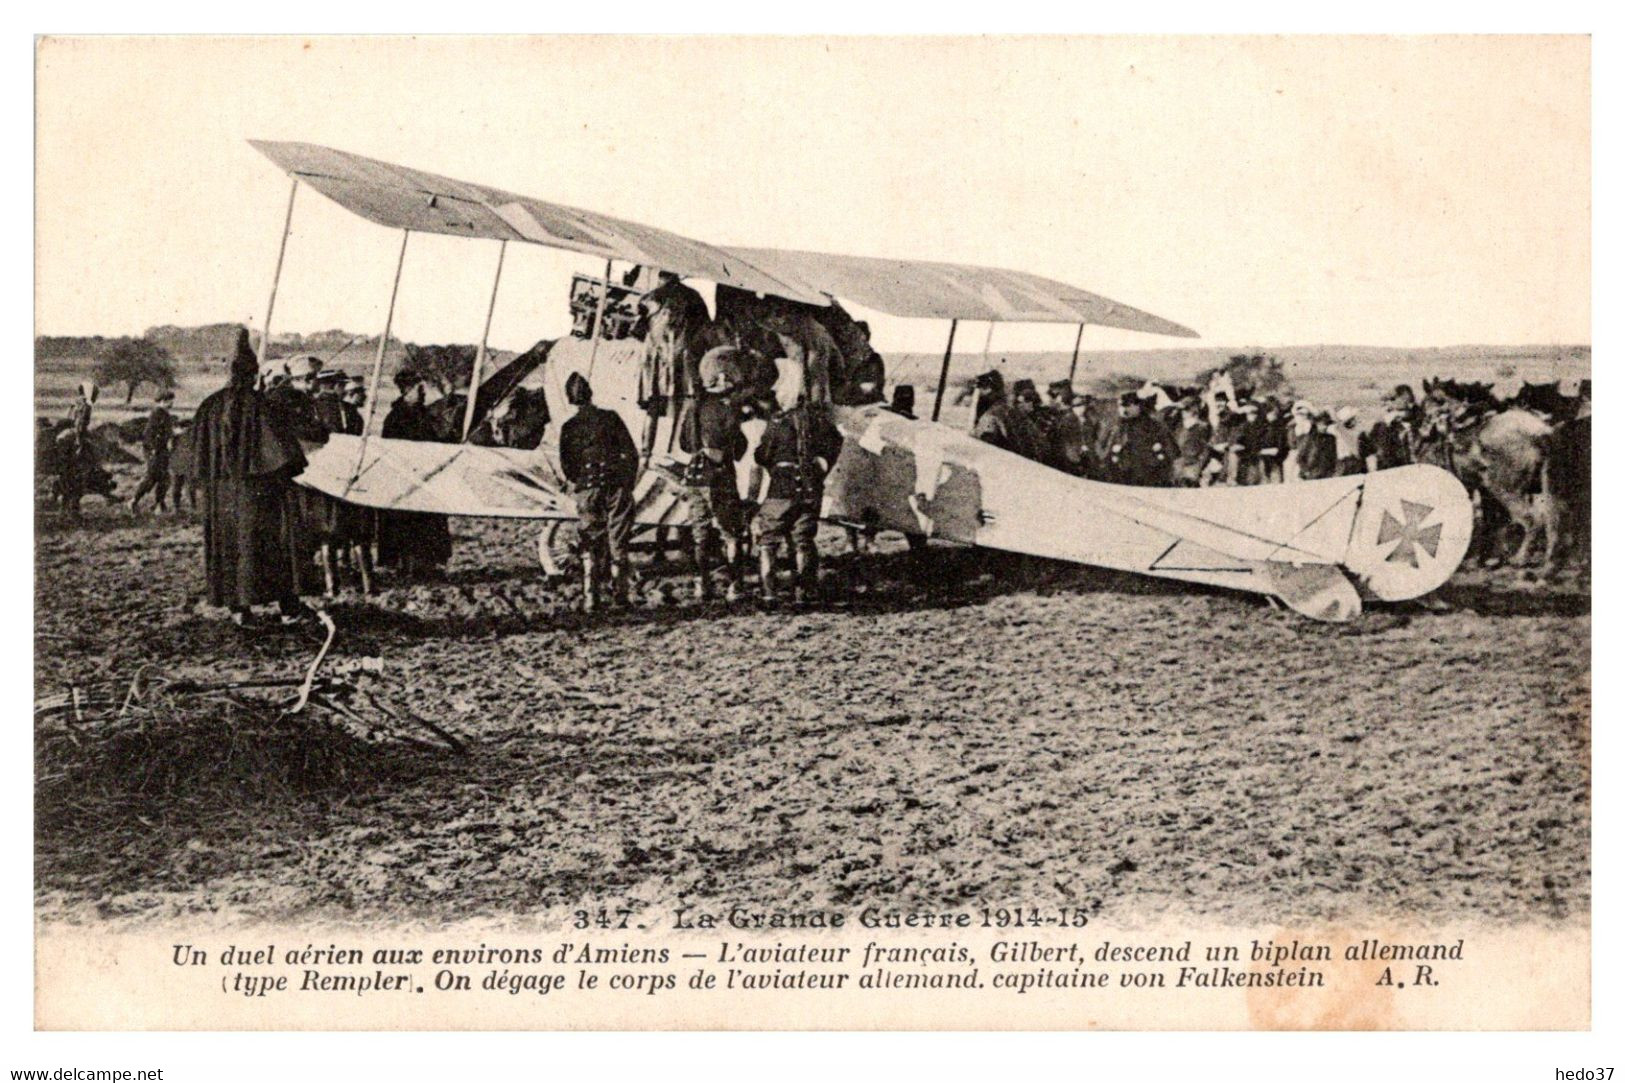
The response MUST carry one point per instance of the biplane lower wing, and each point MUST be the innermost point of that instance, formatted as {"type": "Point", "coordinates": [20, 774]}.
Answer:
{"type": "Point", "coordinates": [451, 479]}
{"type": "Point", "coordinates": [1321, 546]}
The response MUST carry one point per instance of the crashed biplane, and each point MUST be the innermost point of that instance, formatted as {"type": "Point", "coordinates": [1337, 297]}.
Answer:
{"type": "Point", "coordinates": [1321, 546]}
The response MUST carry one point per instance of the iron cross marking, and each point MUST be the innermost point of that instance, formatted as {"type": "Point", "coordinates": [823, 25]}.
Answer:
{"type": "Point", "coordinates": [1410, 534]}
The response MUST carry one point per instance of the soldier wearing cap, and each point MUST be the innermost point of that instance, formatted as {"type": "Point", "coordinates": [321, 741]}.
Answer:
{"type": "Point", "coordinates": [798, 449]}
{"type": "Point", "coordinates": [336, 525]}
{"type": "Point", "coordinates": [157, 441]}
{"type": "Point", "coordinates": [1317, 449]}
{"type": "Point", "coordinates": [1390, 441]}
{"type": "Point", "coordinates": [1063, 429]}
{"type": "Point", "coordinates": [1004, 423]}
{"type": "Point", "coordinates": [715, 443]}
{"type": "Point", "coordinates": [1193, 444]}
{"type": "Point", "coordinates": [600, 461]}
{"type": "Point", "coordinates": [1250, 438]}
{"type": "Point", "coordinates": [1137, 449]}
{"type": "Point", "coordinates": [417, 543]}
{"type": "Point", "coordinates": [668, 380]}
{"type": "Point", "coordinates": [355, 392]}
{"type": "Point", "coordinates": [1272, 442]}
{"type": "Point", "coordinates": [293, 396]}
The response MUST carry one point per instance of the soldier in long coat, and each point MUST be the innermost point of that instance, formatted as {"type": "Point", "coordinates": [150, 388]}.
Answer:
{"type": "Point", "coordinates": [413, 541]}
{"type": "Point", "coordinates": [1137, 449]}
{"type": "Point", "coordinates": [244, 455]}
{"type": "Point", "coordinates": [670, 374]}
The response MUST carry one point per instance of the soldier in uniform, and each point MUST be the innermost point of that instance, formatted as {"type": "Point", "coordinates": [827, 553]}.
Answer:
{"type": "Point", "coordinates": [1006, 425]}
{"type": "Point", "coordinates": [244, 457]}
{"type": "Point", "coordinates": [1192, 444]}
{"type": "Point", "coordinates": [798, 449]}
{"type": "Point", "coordinates": [157, 440]}
{"type": "Point", "coordinates": [715, 442]}
{"type": "Point", "coordinates": [1389, 442]}
{"type": "Point", "coordinates": [600, 461]}
{"type": "Point", "coordinates": [1227, 421]}
{"type": "Point", "coordinates": [1064, 429]}
{"type": "Point", "coordinates": [1272, 449]}
{"type": "Point", "coordinates": [334, 525]}
{"type": "Point", "coordinates": [1249, 442]}
{"type": "Point", "coordinates": [1137, 449]}
{"type": "Point", "coordinates": [1317, 449]}
{"type": "Point", "coordinates": [78, 460]}
{"type": "Point", "coordinates": [669, 377]}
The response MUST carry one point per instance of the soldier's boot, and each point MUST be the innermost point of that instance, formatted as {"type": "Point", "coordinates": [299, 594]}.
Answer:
{"type": "Point", "coordinates": [589, 583]}
{"type": "Point", "coordinates": [702, 568]}
{"type": "Point", "coordinates": [770, 589]}
{"type": "Point", "coordinates": [730, 554]}
{"type": "Point", "coordinates": [330, 571]}
{"type": "Point", "coordinates": [620, 582]}
{"type": "Point", "coordinates": [806, 575]}
{"type": "Point", "coordinates": [363, 562]}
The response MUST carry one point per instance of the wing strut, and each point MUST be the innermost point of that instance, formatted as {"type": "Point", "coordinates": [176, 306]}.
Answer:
{"type": "Point", "coordinates": [598, 320]}
{"type": "Point", "coordinates": [942, 381]}
{"type": "Point", "coordinates": [276, 277]}
{"type": "Point", "coordinates": [1072, 372]}
{"type": "Point", "coordinates": [378, 364]}
{"type": "Point", "coordinates": [485, 337]}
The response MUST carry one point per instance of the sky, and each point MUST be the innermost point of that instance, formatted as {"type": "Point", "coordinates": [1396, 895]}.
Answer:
{"type": "Point", "coordinates": [1376, 191]}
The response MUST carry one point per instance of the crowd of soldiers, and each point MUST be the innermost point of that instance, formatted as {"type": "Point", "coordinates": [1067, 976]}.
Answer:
{"type": "Point", "coordinates": [267, 540]}
{"type": "Point", "coordinates": [758, 360]}
{"type": "Point", "coordinates": [1200, 439]}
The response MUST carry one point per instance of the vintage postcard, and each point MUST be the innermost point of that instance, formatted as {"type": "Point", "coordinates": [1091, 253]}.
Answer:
{"type": "Point", "coordinates": [659, 533]}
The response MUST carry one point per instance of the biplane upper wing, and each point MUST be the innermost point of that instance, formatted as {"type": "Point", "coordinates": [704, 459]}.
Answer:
{"type": "Point", "coordinates": [923, 289]}
{"type": "Point", "coordinates": [403, 198]}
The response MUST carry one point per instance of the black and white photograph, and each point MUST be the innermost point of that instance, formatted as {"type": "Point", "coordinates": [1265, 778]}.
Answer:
{"type": "Point", "coordinates": [812, 532]}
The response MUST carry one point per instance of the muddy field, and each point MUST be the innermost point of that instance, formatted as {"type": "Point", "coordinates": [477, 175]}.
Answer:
{"type": "Point", "coordinates": [944, 738]}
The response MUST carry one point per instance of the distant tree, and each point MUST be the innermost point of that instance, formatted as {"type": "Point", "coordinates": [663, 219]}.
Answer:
{"type": "Point", "coordinates": [133, 362]}
{"type": "Point", "coordinates": [1116, 384]}
{"type": "Point", "coordinates": [1256, 375]}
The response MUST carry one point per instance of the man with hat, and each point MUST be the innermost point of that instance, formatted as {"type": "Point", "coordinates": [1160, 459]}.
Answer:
{"type": "Point", "coordinates": [1063, 429]}
{"type": "Point", "coordinates": [1250, 439]}
{"type": "Point", "coordinates": [1192, 444]}
{"type": "Point", "coordinates": [335, 525]}
{"type": "Point", "coordinates": [355, 393]}
{"type": "Point", "coordinates": [600, 461]}
{"type": "Point", "coordinates": [1006, 424]}
{"type": "Point", "coordinates": [157, 441]}
{"type": "Point", "coordinates": [677, 317]}
{"type": "Point", "coordinates": [1389, 442]}
{"type": "Point", "coordinates": [414, 542]}
{"type": "Point", "coordinates": [1317, 449]}
{"type": "Point", "coordinates": [244, 456]}
{"type": "Point", "coordinates": [1272, 442]}
{"type": "Point", "coordinates": [1137, 449]}
{"type": "Point", "coordinates": [798, 449]}
{"type": "Point", "coordinates": [715, 443]}
{"type": "Point", "coordinates": [293, 394]}
{"type": "Point", "coordinates": [1087, 409]}
{"type": "Point", "coordinates": [902, 401]}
